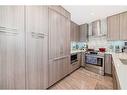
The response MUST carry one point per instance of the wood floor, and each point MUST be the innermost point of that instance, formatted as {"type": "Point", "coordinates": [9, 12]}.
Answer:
{"type": "Point", "coordinates": [84, 79]}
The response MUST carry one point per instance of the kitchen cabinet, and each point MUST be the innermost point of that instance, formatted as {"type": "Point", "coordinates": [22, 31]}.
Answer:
{"type": "Point", "coordinates": [83, 59]}
{"type": "Point", "coordinates": [33, 40]}
{"type": "Point", "coordinates": [75, 33]}
{"type": "Point", "coordinates": [36, 47]}
{"type": "Point", "coordinates": [76, 64]}
{"type": "Point", "coordinates": [113, 27]}
{"type": "Point", "coordinates": [58, 68]}
{"type": "Point", "coordinates": [116, 84]}
{"type": "Point", "coordinates": [84, 32]}
{"type": "Point", "coordinates": [96, 28]}
{"type": "Point", "coordinates": [60, 10]}
{"type": "Point", "coordinates": [123, 26]}
{"type": "Point", "coordinates": [59, 35]}
{"type": "Point", "coordinates": [59, 46]}
{"type": "Point", "coordinates": [12, 47]}
{"type": "Point", "coordinates": [117, 27]}
{"type": "Point", "coordinates": [108, 63]}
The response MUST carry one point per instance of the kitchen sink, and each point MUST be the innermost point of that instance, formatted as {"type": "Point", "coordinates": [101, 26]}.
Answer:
{"type": "Point", "coordinates": [124, 61]}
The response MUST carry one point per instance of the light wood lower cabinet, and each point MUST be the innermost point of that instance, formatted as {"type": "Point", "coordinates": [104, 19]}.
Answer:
{"type": "Point", "coordinates": [12, 49]}
{"type": "Point", "coordinates": [58, 68]}
{"type": "Point", "coordinates": [116, 84]}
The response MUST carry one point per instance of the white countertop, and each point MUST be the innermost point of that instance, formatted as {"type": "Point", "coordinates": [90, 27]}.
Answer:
{"type": "Point", "coordinates": [77, 51]}
{"type": "Point", "coordinates": [121, 69]}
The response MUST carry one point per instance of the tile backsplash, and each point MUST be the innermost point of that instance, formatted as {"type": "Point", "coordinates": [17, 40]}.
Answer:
{"type": "Point", "coordinates": [96, 43]}
{"type": "Point", "coordinates": [78, 45]}
{"type": "Point", "coordinates": [99, 41]}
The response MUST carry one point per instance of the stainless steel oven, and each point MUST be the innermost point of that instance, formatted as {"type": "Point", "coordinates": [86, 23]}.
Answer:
{"type": "Point", "coordinates": [74, 58]}
{"type": "Point", "coordinates": [94, 62]}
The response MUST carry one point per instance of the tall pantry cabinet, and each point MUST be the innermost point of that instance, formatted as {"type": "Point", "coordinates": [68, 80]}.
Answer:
{"type": "Point", "coordinates": [12, 47]}
{"type": "Point", "coordinates": [36, 47]}
{"type": "Point", "coordinates": [59, 45]}
{"type": "Point", "coordinates": [23, 47]}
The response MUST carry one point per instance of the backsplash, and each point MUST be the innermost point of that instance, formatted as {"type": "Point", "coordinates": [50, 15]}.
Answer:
{"type": "Point", "coordinates": [100, 41]}
{"type": "Point", "coordinates": [78, 45]}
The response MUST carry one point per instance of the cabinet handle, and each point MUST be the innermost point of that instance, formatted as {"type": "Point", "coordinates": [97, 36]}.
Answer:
{"type": "Point", "coordinates": [6, 30]}
{"type": "Point", "coordinates": [60, 57]}
{"type": "Point", "coordinates": [37, 35]}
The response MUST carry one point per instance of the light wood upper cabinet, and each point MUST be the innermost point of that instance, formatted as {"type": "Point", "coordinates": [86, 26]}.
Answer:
{"type": "Point", "coordinates": [123, 26]}
{"type": "Point", "coordinates": [113, 27]}
{"type": "Point", "coordinates": [12, 49]}
{"type": "Point", "coordinates": [75, 33]}
{"type": "Point", "coordinates": [84, 32]}
{"type": "Point", "coordinates": [60, 10]}
{"type": "Point", "coordinates": [36, 47]}
{"type": "Point", "coordinates": [37, 16]}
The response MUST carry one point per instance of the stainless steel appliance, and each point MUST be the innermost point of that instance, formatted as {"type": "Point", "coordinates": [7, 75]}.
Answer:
{"type": "Point", "coordinates": [125, 47]}
{"type": "Point", "coordinates": [94, 62]}
{"type": "Point", "coordinates": [74, 58]}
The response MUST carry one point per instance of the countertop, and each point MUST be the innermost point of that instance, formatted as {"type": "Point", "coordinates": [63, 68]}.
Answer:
{"type": "Point", "coordinates": [77, 51]}
{"type": "Point", "coordinates": [121, 69]}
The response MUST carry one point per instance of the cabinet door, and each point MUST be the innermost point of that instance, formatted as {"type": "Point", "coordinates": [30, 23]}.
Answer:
{"type": "Point", "coordinates": [72, 31]}
{"type": "Point", "coordinates": [36, 52]}
{"type": "Point", "coordinates": [113, 28]}
{"type": "Point", "coordinates": [108, 61]}
{"type": "Point", "coordinates": [59, 32]}
{"type": "Point", "coordinates": [37, 16]}
{"type": "Point", "coordinates": [65, 36]}
{"type": "Point", "coordinates": [12, 53]}
{"type": "Point", "coordinates": [83, 32]}
{"type": "Point", "coordinates": [77, 33]}
{"type": "Point", "coordinates": [114, 77]}
{"type": "Point", "coordinates": [54, 34]}
{"type": "Point", "coordinates": [58, 68]}
{"type": "Point", "coordinates": [123, 26]}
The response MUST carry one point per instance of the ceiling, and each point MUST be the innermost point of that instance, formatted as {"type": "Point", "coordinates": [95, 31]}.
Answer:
{"type": "Point", "coordinates": [87, 14]}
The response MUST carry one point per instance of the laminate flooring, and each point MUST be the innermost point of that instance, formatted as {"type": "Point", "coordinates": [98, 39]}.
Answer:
{"type": "Point", "coordinates": [83, 79]}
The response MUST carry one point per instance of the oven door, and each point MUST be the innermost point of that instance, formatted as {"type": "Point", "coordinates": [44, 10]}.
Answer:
{"type": "Point", "coordinates": [94, 60]}
{"type": "Point", "coordinates": [73, 58]}
{"type": "Point", "coordinates": [91, 59]}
